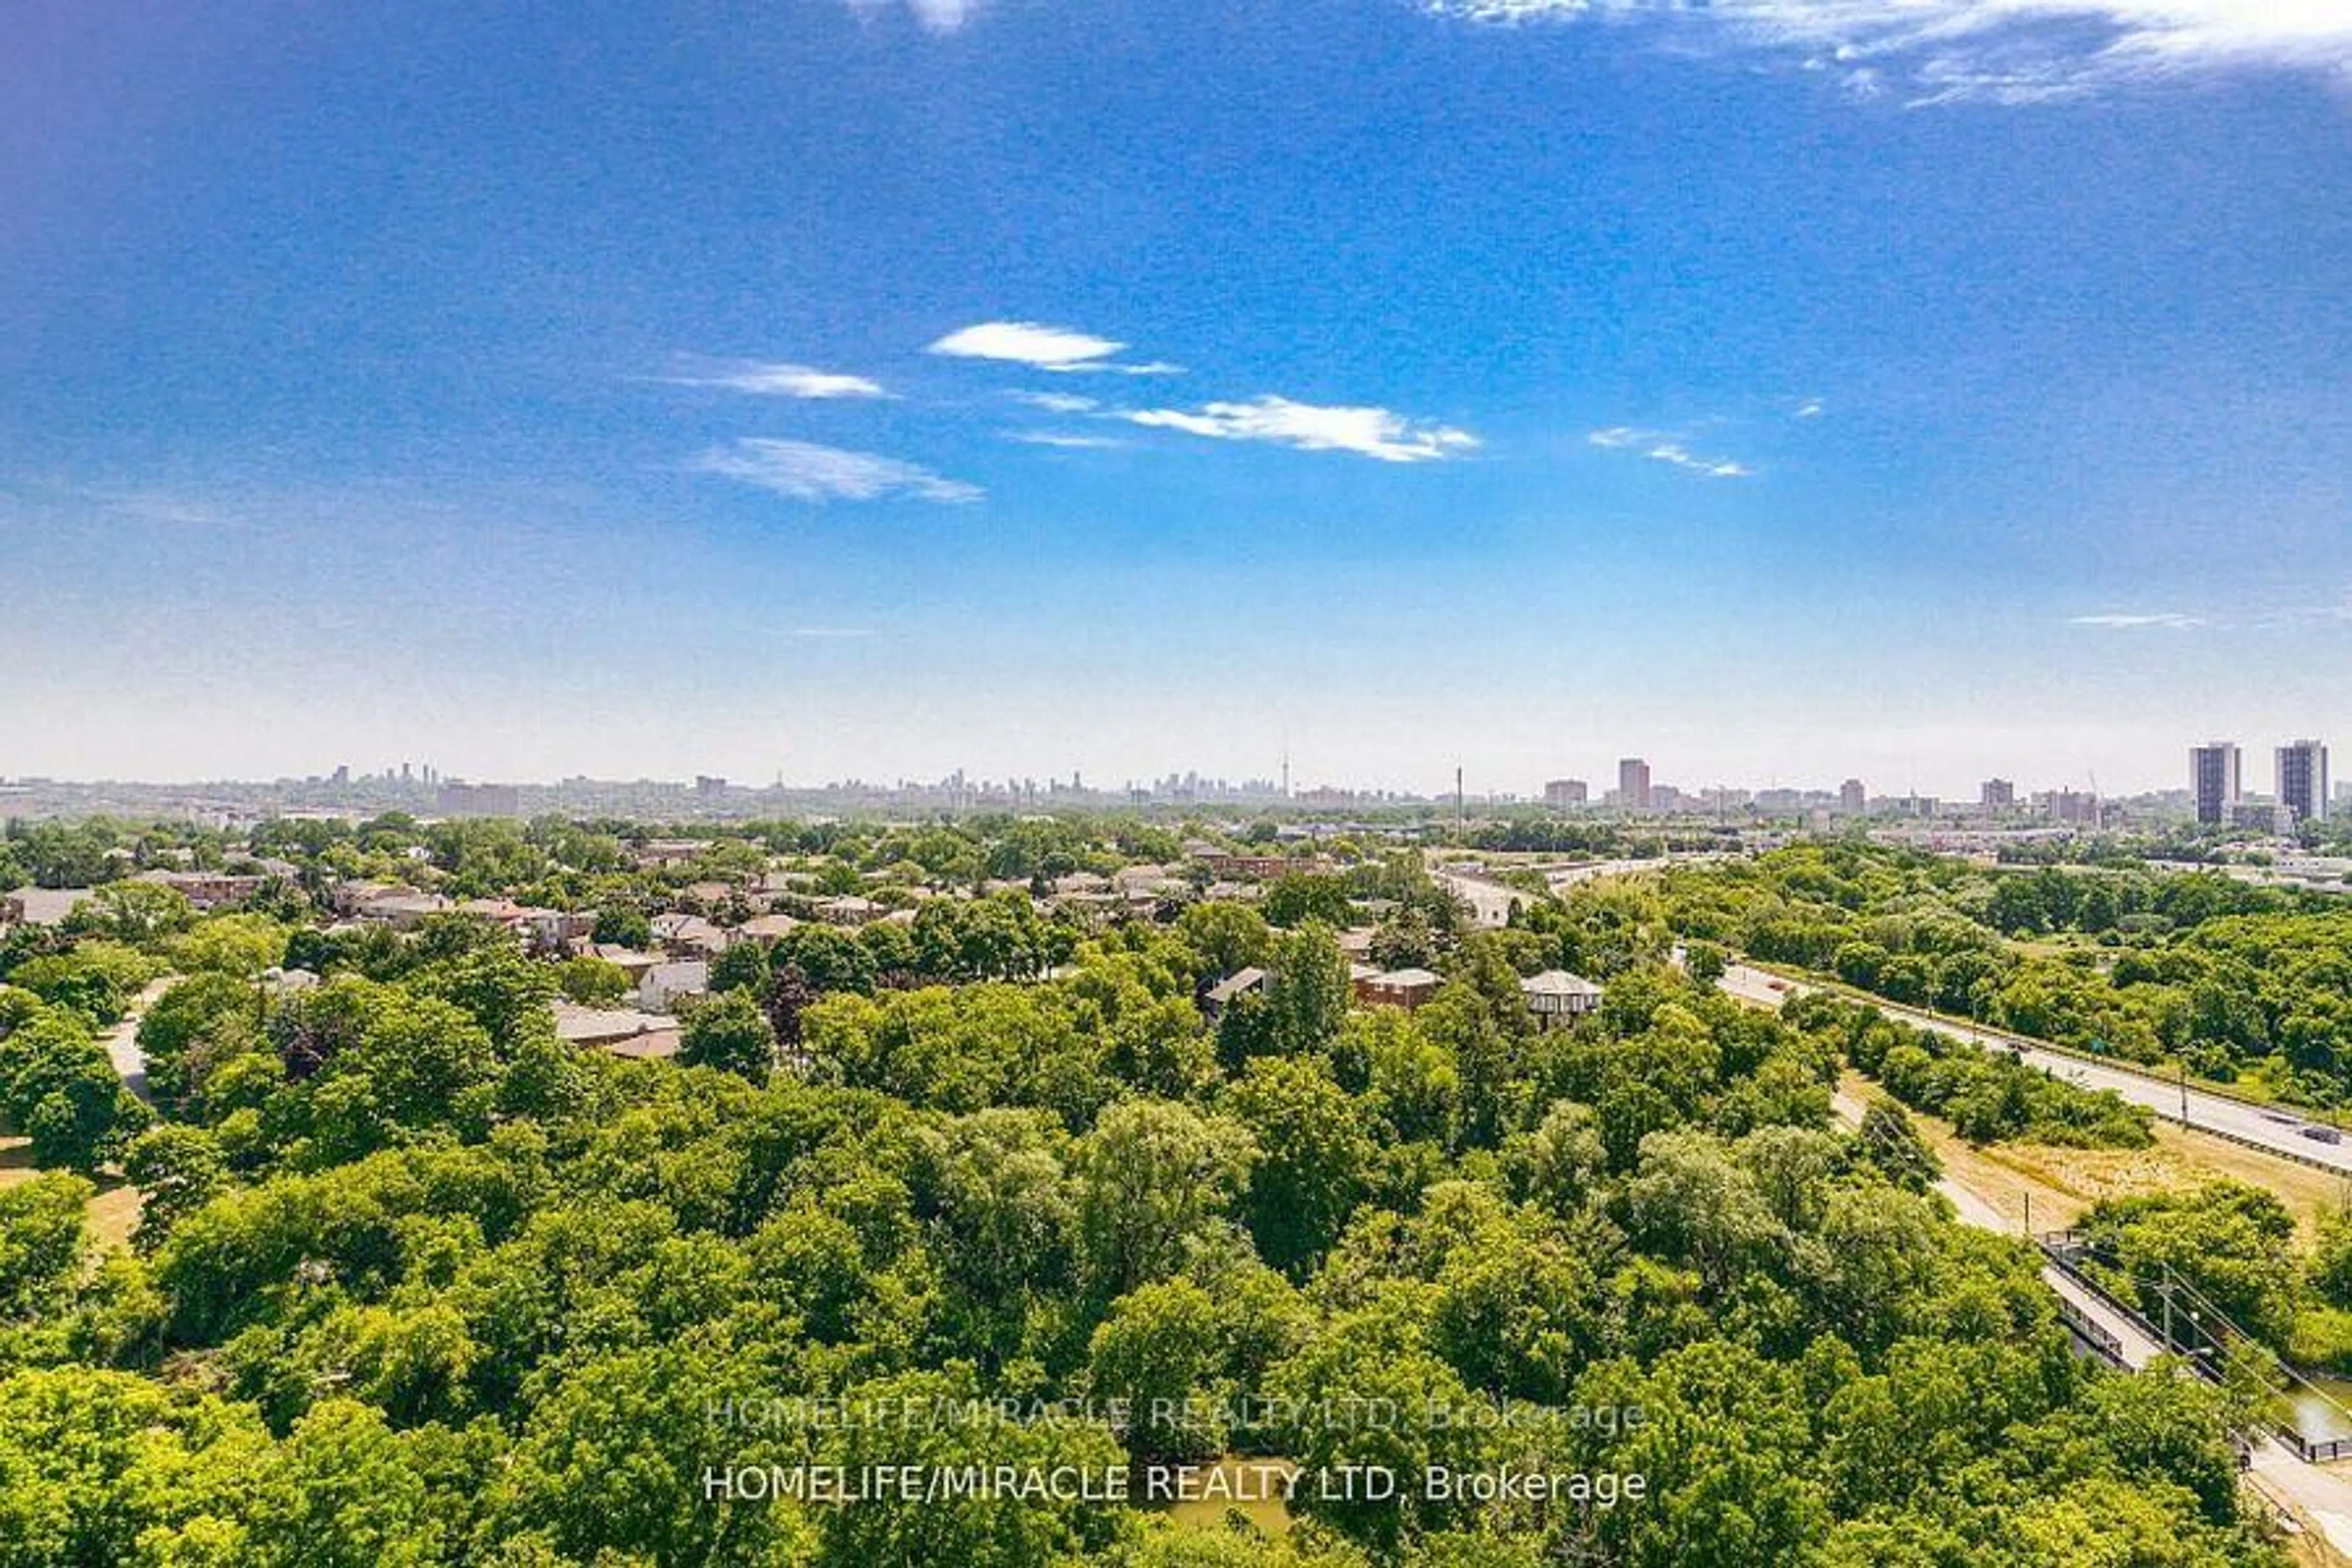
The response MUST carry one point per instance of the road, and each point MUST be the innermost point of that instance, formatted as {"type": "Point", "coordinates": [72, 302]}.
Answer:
{"type": "Point", "coordinates": [122, 1041]}
{"type": "Point", "coordinates": [2276, 1130]}
{"type": "Point", "coordinates": [1490, 901]}
{"type": "Point", "coordinates": [2317, 1496]}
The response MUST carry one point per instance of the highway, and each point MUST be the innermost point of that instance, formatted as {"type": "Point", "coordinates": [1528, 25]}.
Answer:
{"type": "Point", "coordinates": [1490, 901]}
{"type": "Point", "coordinates": [2277, 1130]}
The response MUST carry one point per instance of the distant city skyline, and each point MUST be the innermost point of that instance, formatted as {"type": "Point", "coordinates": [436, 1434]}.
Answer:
{"type": "Point", "coordinates": [2211, 787]}
{"type": "Point", "coordinates": [1919, 393]}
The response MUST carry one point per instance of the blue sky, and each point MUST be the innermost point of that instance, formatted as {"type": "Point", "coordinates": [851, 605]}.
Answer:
{"type": "Point", "coordinates": [1922, 389]}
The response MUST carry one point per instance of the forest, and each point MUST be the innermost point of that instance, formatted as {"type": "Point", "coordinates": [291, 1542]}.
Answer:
{"type": "Point", "coordinates": [415, 1282]}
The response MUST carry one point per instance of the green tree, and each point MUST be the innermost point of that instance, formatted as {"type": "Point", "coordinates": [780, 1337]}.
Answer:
{"type": "Point", "coordinates": [1226, 935]}
{"type": "Point", "coordinates": [592, 982]}
{"type": "Point", "coordinates": [41, 1243]}
{"type": "Point", "coordinates": [1306, 992]}
{"type": "Point", "coordinates": [57, 1087]}
{"type": "Point", "coordinates": [727, 1030]}
{"type": "Point", "coordinates": [242, 945]}
{"type": "Point", "coordinates": [1314, 1158]}
{"type": "Point", "coordinates": [1153, 1177]}
{"type": "Point", "coordinates": [136, 913]}
{"type": "Point", "coordinates": [177, 1169]}
{"type": "Point", "coordinates": [1299, 896]}
{"type": "Point", "coordinates": [1161, 1354]}
{"type": "Point", "coordinates": [624, 926]}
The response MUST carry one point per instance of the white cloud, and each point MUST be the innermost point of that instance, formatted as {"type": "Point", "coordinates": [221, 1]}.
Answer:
{"type": "Point", "coordinates": [1055, 402]}
{"type": "Point", "coordinates": [773, 380]}
{"type": "Point", "coordinates": [1713, 467]}
{"type": "Point", "coordinates": [1367, 432]}
{"type": "Point", "coordinates": [936, 16]}
{"type": "Point", "coordinates": [2005, 51]}
{"type": "Point", "coordinates": [1063, 440]}
{"type": "Point", "coordinates": [1663, 447]}
{"type": "Point", "coordinates": [1811, 408]}
{"type": "Point", "coordinates": [1041, 347]}
{"type": "Point", "coordinates": [832, 634]}
{"type": "Point", "coordinates": [2167, 620]}
{"type": "Point", "coordinates": [805, 471]}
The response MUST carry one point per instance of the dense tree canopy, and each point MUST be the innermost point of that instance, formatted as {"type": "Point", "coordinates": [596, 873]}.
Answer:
{"type": "Point", "coordinates": [984, 1189]}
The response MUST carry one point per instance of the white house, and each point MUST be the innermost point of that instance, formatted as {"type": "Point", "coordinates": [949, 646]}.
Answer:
{"type": "Point", "coordinates": [1557, 999]}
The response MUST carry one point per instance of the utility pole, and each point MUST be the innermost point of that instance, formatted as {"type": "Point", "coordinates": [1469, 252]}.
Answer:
{"type": "Point", "coordinates": [2184, 1091]}
{"type": "Point", "coordinates": [1461, 830]}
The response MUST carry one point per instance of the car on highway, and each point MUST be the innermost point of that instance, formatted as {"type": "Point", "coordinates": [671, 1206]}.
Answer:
{"type": "Point", "coordinates": [2323, 1134]}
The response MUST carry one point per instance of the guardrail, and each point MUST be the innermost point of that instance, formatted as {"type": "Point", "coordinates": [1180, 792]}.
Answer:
{"type": "Point", "coordinates": [2308, 1451]}
{"type": "Point", "coordinates": [2059, 1246]}
{"type": "Point", "coordinates": [2091, 1331]}
{"type": "Point", "coordinates": [2297, 1155]}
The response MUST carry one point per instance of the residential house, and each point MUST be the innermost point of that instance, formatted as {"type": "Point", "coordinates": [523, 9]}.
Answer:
{"type": "Point", "coordinates": [666, 985]}
{"type": "Point", "coordinates": [628, 959]}
{"type": "Point", "coordinates": [668, 851]}
{"type": "Point", "coordinates": [687, 935]}
{"type": "Point", "coordinates": [206, 889]}
{"type": "Point", "coordinates": [287, 981]}
{"type": "Point", "coordinates": [1257, 868]}
{"type": "Point", "coordinates": [767, 928]}
{"type": "Point", "coordinates": [1406, 988]}
{"type": "Point", "coordinates": [1222, 995]}
{"type": "Point", "coordinates": [621, 1031]}
{"type": "Point", "coordinates": [403, 909]}
{"type": "Point", "coordinates": [41, 906]}
{"type": "Point", "coordinates": [1557, 999]}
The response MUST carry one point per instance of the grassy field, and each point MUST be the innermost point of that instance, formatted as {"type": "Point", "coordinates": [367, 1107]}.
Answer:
{"type": "Point", "coordinates": [113, 1212]}
{"type": "Point", "coordinates": [2064, 1182]}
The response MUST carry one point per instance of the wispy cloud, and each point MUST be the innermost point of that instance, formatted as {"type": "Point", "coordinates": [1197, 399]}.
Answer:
{"type": "Point", "coordinates": [1055, 402]}
{"type": "Point", "coordinates": [1064, 439]}
{"type": "Point", "coordinates": [1663, 447]}
{"type": "Point", "coordinates": [2143, 620]}
{"type": "Point", "coordinates": [1368, 432]}
{"type": "Point", "coordinates": [806, 471]}
{"type": "Point", "coordinates": [1811, 408]}
{"type": "Point", "coordinates": [2295, 616]}
{"type": "Point", "coordinates": [832, 634]}
{"type": "Point", "coordinates": [2004, 51]}
{"type": "Point", "coordinates": [1713, 467]}
{"type": "Point", "coordinates": [169, 508]}
{"type": "Point", "coordinates": [1057, 349]}
{"type": "Point", "coordinates": [936, 16]}
{"type": "Point", "coordinates": [771, 378]}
